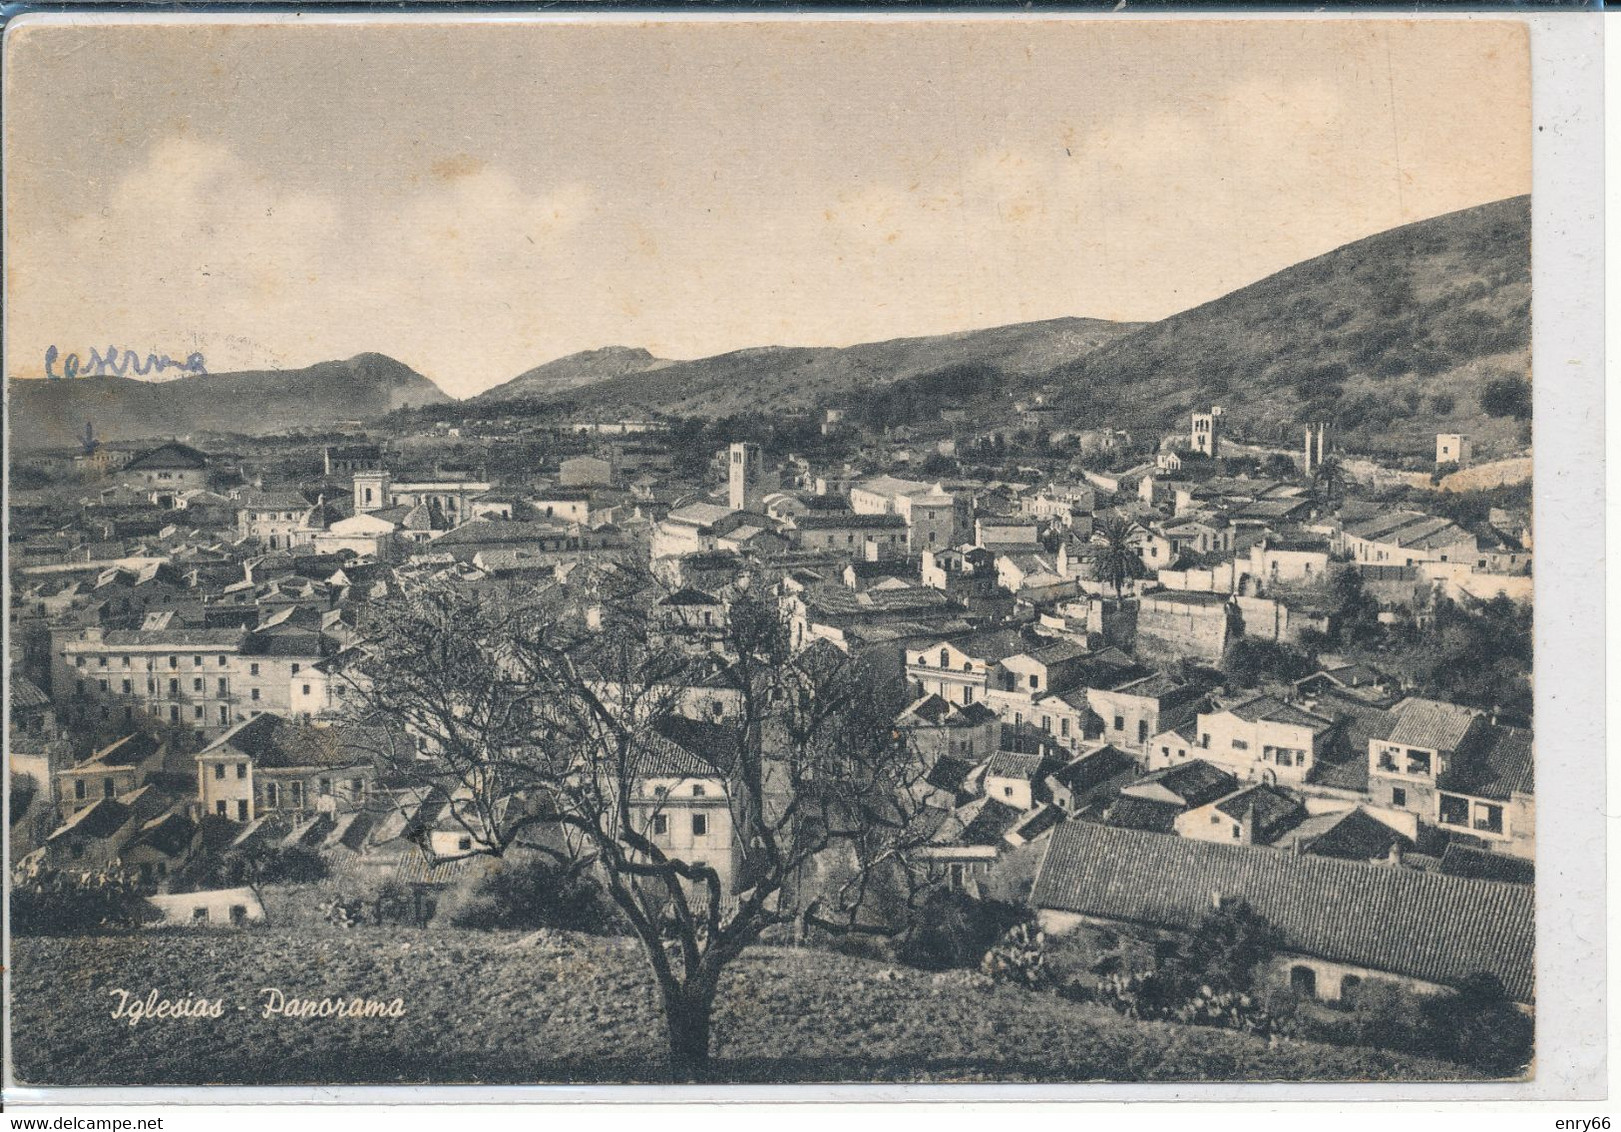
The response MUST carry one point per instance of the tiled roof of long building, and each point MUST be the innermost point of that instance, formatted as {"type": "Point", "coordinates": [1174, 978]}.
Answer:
{"type": "Point", "coordinates": [1423, 925]}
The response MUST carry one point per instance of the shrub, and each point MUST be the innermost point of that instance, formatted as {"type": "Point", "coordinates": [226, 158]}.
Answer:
{"type": "Point", "coordinates": [50, 901]}
{"type": "Point", "coordinates": [1020, 957]}
{"type": "Point", "coordinates": [1442, 404]}
{"type": "Point", "coordinates": [1507, 396]}
{"type": "Point", "coordinates": [1479, 1026]}
{"type": "Point", "coordinates": [953, 929]}
{"type": "Point", "coordinates": [529, 893]}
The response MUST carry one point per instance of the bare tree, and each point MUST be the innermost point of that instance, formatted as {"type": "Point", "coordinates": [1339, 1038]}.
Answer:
{"type": "Point", "coordinates": [548, 731]}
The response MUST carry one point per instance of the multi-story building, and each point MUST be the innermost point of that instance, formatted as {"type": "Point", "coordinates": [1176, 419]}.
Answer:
{"type": "Point", "coordinates": [204, 679]}
{"type": "Point", "coordinates": [270, 764]}
{"type": "Point", "coordinates": [1264, 739]}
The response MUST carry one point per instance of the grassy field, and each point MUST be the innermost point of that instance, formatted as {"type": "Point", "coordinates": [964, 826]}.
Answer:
{"type": "Point", "coordinates": [515, 1008]}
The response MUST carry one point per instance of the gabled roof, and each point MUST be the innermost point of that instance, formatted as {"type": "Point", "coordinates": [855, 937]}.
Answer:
{"type": "Point", "coordinates": [1270, 709]}
{"type": "Point", "coordinates": [132, 750]}
{"type": "Point", "coordinates": [1481, 864]}
{"type": "Point", "coordinates": [1190, 784]}
{"type": "Point", "coordinates": [169, 456]}
{"type": "Point", "coordinates": [1352, 835]}
{"type": "Point", "coordinates": [1093, 769]}
{"type": "Point", "coordinates": [690, 596]}
{"type": "Point", "coordinates": [1424, 925]}
{"type": "Point", "coordinates": [1504, 768]}
{"type": "Point", "coordinates": [679, 747]}
{"type": "Point", "coordinates": [1431, 724]}
{"type": "Point", "coordinates": [102, 818]}
{"type": "Point", "coordinates": [26, 694]}
{"type": "Point", "coordinates": [274, 742]}
{"type": "Point", "coordinates": [170, 834]}
{"type": "Point", "coordinates": [1012, 764]}
{"type": "Point", "coordinates": [1131, 812]}
{"type": "Point", "coordinates": [1268, 808]}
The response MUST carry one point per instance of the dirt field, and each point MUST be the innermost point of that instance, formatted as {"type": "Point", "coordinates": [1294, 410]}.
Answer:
{"type": "Point", "coordinates": [514, 1008]}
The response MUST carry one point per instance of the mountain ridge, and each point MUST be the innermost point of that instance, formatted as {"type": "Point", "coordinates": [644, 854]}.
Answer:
{"type": "Point", "coordinates": [52, 414]}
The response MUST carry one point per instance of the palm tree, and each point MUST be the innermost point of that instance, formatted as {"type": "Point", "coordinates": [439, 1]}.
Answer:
{"type": "Point", "coordinates": [1329, 475]}
{"type": "Point", "coordinates": [1113, 557]}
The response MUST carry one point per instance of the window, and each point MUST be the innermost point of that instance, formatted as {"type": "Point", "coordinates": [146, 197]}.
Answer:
{"type": "Point", "coordinates": [1398, 796]}
{"type": "Point", "coordinates": [78, 662]}
{"type": "Point", "coordinates": [197, 685]}
{"type": "Point", "coordinates": [103, 684]}
{"type": "Point", "coordinates": [222, 685]}
{"type": "Point", "coordinates": [1063, 726]}
{"type": "Point", "coordinates": [357, 786]}
{"type": "Point", "coordinates": [79, 791]}
{"type": "Point", "coordinates": [1349, 984]}
{"type": "Point", "coordinates": [174, 713]}
{"type": "Point", "coordinates": [700, 825]}
{"type": "Point", "coordinates": [1007, 791]}
{"type": "Point", "coordinates": [196, 662]}
{"type": "Point", "coordinates": [127, 687]}
{"type": "Point", "coordinates": [219, 770]}
{"type": "Point", "coordinates": [253, 670]}
{"type": "Point", "coordinates": [296, 790]}
{"type": "Point", "coordinates": [306, 689]}
{"type": "Point", "coordinates": [325, 788]}
{"type": "Point", "coordinates": [126, 662]}
{"type": "Point", "coordinates": [1238, 834]}
{"type": "Point", "coordinates": [239, 914]}
{"type": "Point", "coordinates": [1119, 723]}
{"type": "Point", "coordinates": [1035, 681]}
{"type": "Point", "coordinates": [174, 662]}
{"type": "Point", "coordinates": [101, 662]}
{"type": "Point", "coordinates": [1215, 819]}
{"type": "Point", "coordinates": [661, 825]}
{"type": "Point", "coordinates": [199, 915]}
{"type": "Point", "coordinates": [197, 712]}
{"type": "Point", "coordinates": [225, 715]}
{"type": "Point", "coordinates": [272, 794]}
{"type": "Point", "coordinates": [1240, 745]}
{"type": "Point", "coordinates": [253, 694]}
{"type": "Point", "coordinates": [241, 809]}
{"type": "Point", "coordinates": [174, 687]}
{"type": "Point", "coordinates": [697, 791]}
{"type": "Point", "coordinates": [1142, 731]}
{"type": "Point", "coordinates": [222, 662]}
{"type": "Point", "coordinates": [1489, 818]}
{"type": "Point", "coordinates": [241, 770]}
{"type": "Point", "coordinates": [295, 670]}
{"type": "Point", "coordinates": [219, 806]}
{"type": "Point", "coordinates": [945, 658]}
{"type": "Point", "coordinates": [1418, 762]}
{"type": "Point", "coordinates": [464, 844]}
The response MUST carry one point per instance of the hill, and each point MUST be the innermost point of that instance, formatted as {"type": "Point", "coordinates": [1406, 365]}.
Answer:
{"type": "Point", "coordinates": [511, 1008]}
{"type": "Point", "coordinates": [1392, 338]}
{"type": "Point", "coordinates": [52, 414]}
{"type": "Point", "coordinates": [792, 377]}
{"type": "Point", "coordinates": [584, 368]}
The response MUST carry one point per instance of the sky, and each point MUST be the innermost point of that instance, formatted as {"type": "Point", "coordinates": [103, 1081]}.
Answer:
{"type": "Point", "coordinates": [478, 198]}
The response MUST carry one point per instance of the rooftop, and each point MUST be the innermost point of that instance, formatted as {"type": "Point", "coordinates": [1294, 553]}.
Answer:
{"type": "Point", "coordinates": [1427, 926]}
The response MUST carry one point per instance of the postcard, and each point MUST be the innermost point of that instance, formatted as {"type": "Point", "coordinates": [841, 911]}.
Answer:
{"type": "Point", "coordinates": [631, 551]}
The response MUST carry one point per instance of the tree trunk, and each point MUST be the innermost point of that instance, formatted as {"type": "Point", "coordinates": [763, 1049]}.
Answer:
{"type": "Point", "coordinates": [687, 1013]}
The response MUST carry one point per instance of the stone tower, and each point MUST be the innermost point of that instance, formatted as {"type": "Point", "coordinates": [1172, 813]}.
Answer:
{"type": "Point", "coordinates": [1207, 432]}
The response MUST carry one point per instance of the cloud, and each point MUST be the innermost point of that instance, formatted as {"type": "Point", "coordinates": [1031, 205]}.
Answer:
{"type": "Point", "coordinates": [196, 250]}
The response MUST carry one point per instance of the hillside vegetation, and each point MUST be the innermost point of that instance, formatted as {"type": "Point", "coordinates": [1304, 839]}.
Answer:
{"type": "Point", "coordinates": [1392, 338]}
{"type": "Point", "coordinates": [509, 1008]}
{"type": "Point", "coordinates": [52, 414]}
{"type": "Point", "coordinates": [792, 377]}
{"type": "Point", "coordinates": [584, 368]}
